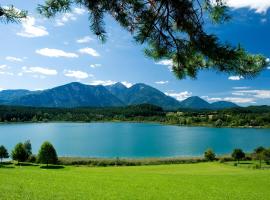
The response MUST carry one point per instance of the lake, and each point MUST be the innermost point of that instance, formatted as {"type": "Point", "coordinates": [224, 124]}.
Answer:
{"type": "Point", "coordinates": [132, 140]}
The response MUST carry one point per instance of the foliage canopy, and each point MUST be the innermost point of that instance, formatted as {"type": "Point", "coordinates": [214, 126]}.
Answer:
{"type": "Point", "coordinates": [172, 29]}
{"type": "Point", "coordinates": [10, 14]}
{"type": "Point", "coordinates": [209, 155]}
{"type": "Point", "coordinates": [47, 154]}
{"type": "Point", "coordinates": [19, 153]}
{"type": "Point", "coordinates": [238, 154]}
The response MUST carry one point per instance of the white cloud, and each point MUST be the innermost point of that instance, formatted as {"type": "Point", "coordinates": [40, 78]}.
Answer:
{"type": "Point", "coordinates": [39, 70]}
{"type": "Point", "coordinates": [235, 78]}
{"type": "Point", "coordinates": [260, 94]}
{"type": "Point", "coordinates": [79, 11]}
{"type": "Point", "coordinates": [71, 16]}
{"type": "Point", "coordinates": [6, 73]}
{"type": "Point", "coordinates": [77, 74]}
{"type": "Point", "coordinates": [127, 84]}
{"type": "Point", "coordinates": [238, 100]}
{"type": "Point", "coordinates": [110, 82]}
{"type": "Point", "coordinates": [55, 53]}
{"type": "Point", "coordinates": [3, 72]}
{"type": "Point", "coordinates": [260, 6]}
{"type": "Point", "coordinates": [238, 93]}
{"type": "Point", "coordinates": [95, 65]}
{"type": "Point", "coordinates": [101, 82]}
{"type": "Point", "coordinates": [161, 82]}
{"type": "Point", "coordinates": [241, 88]}
{"type": "Point", "coordinates": [14, 59]}
{"type": "Point", "coordinates": [168, 63]}
{"type": "Point", "coordinates": [3, 67]}
{"type": "Point", "coordinates": [89, 51]}
{"type": "Point", "coordinates": [65, 18]}
{"type": "Point", "coordinates": [180, 96]}
{"type": "Point", "coordinates": [31, 30]}
{"type": "Point", "coordinates": [85, 39]}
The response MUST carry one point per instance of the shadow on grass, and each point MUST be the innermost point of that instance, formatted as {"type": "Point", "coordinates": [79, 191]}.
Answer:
{"type": "Point", "coordinates": [52, 167]}
{"type": "Point", "coordinates": [246, 163]}
{"type": "Point", "coordinates": [7, 165]}
{"type": "Point", "coordinates": [26, 164]}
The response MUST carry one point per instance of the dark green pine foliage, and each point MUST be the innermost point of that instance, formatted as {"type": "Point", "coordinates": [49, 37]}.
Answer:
{"type": "Point", "coordinates": [10, 14]}
{"type": "Point", "coordinates": [47, 154]}
{"type": "Point", "coordinates": [172, 29]}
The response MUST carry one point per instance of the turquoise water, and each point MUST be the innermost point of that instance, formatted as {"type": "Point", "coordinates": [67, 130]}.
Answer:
{"type": "Point", "coordinates": [132, 139]}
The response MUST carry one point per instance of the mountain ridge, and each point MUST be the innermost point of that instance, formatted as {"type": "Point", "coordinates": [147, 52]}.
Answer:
{"type": "Point", "coordinates": [76, 94]}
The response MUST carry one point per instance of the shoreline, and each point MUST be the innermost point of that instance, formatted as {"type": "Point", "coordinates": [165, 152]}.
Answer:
{"type": "Point", "coordinates": [133, 121]}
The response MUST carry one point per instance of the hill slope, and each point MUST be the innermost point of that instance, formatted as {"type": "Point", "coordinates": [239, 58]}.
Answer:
{"type": "Point", "coordinates": [80, 95]}
{"type": "Point", "coordinates": [70, 95]}
{"type": "Point", "coordinates": [195, 103]}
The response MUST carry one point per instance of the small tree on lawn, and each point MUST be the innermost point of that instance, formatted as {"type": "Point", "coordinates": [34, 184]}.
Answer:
{"type": "Point", "coordinates": [259, 154]}
{"type": "Point", "coordinates": [19, 153]}
{"type": "Point", "coordinates": [238, 154]}
{"type": "Point", "coordinates": [3, 153]}
{"type": "Point", "coordinates": [47, 154]}
{"type": "Point", "coordinates": [209, 155]}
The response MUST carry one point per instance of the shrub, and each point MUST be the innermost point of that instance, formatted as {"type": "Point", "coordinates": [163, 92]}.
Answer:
{"type": "Point", "coordinates": [47, 154]}
{"type": "Point", "coordinates": [32, 159]}
{"type": "Point", "coordinates": [209, 155]}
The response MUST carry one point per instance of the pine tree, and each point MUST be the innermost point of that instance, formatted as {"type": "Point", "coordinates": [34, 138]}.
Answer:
{"type": "Point", "coordinates": [10, 14]}
{"type": "Point", "coordinates": [172, 29]}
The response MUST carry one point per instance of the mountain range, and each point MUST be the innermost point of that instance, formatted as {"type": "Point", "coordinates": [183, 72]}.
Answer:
{"type": "Point", "coordinates": [80, 95]}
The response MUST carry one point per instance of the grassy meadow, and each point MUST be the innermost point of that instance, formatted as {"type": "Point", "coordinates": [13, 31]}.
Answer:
{"type": "Point", "coordinates": [201, 181]}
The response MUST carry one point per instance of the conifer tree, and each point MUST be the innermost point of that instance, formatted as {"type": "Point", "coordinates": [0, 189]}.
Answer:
{"type": "Point", "coordinates": [172, 29]}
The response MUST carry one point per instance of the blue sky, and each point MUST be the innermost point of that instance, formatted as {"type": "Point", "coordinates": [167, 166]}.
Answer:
{"type": "Point", "coordinates": [43, 53]}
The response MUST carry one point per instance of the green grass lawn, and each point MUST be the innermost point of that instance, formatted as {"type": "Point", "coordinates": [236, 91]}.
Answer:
{"type": "Point", "coordinates": [185, 181]}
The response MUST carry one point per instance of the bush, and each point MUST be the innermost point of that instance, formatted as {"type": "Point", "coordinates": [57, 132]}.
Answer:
{"type": "Point", "coordinates": [47, 154]}
{"type": "Point", "coordinates": [209, 155]}
{"type": "Point", "coordinates": [32, 159]}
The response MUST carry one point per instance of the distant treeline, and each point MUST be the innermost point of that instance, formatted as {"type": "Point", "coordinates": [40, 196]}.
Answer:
{"type": "Point", "coordinates": [33, 114]}
{"type": "Point", "coordinates": [253, 116]}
